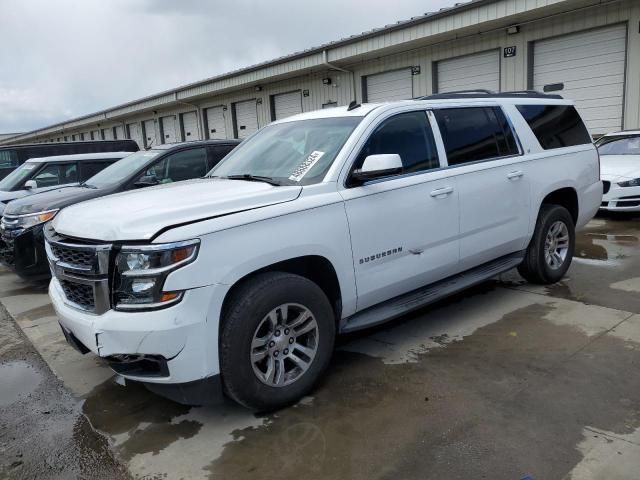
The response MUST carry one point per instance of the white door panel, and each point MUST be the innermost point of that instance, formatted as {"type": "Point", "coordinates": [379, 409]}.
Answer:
{"type": "Point", "coordinates": [390, 86]}
{"type": "Point", "coordinates": [246, 118]}
{"type": "Point", "coordinates": [135, 134]}
{"type": "Point", "coordinates": [494, 212]}
{"type": "Point", "coordinates": [480, 70]}
{"type": "Point", "coordinates": [216, 123]}
{"type": "Point", "coordinates": [190, 126]}
{"type": "Point", "coordinates": [402, 237]}
{"type": "Point", "coordinates": [107, 133]}
{"type": "Point", "coordinates": [150, 133]}
{"type": "Point", "coordinates": [119, 132]}
{"type": "Point", "coordinates": [96, 135]}
{"type": "Point", "coordinates": [169, 129]}
{"type": "Point", "coordinates": [287, 104]}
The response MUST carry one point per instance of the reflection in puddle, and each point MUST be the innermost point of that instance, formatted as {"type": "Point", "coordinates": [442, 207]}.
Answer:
{"type": "Point", "coordinates": [17, 380]}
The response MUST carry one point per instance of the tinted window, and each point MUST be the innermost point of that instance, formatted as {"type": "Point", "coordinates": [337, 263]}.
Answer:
{"type": "Point", "coordinates": [8, 158]}
{"type": "Point", "coordinates": [180, 166]}
{"type": "Point", "coordinates": [218, 152]}
{"type": "Point", "coordinates": [619, 145]}
{"type": "Point", "coordinates": [476, 133]}
{"type": "Point", "coordinates": [555, 126]}
{"type": "Point", "coordinates": [89, 169]}
{"type": "Point", "coordinates": [408, 135]}
{"type": "Point", "coordinates": [57, 174]}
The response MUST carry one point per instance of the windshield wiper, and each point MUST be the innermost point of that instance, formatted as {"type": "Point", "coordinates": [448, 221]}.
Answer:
{"type": "Point", "coordinates": [254, 178]}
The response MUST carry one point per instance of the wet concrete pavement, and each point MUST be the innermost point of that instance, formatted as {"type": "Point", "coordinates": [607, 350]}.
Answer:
{"type": "Point", "coordinates": [43, 433]}
{"type": "Point", "coordinates": [500, 382]}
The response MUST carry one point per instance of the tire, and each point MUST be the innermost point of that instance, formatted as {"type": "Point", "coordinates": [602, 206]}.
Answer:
{"type": "Point", "coordinates": [252, 318]}
{"type": "Point", "coordinates": [536, 267]}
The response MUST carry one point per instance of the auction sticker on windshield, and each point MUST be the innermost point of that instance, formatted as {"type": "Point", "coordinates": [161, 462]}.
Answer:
{"type": "Point", "coordinates": [302, 169]}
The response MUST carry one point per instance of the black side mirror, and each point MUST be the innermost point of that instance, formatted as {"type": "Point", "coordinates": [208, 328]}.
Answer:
{"type": "Point", "coordinates": [146, 181]}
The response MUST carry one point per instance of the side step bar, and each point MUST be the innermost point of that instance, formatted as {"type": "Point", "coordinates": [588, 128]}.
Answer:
{"type": "Point", "coordinates": [398, 306]}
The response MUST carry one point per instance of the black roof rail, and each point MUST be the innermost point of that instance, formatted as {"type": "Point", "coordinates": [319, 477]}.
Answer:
{"type": "Point", "coordinates": [481, 93]}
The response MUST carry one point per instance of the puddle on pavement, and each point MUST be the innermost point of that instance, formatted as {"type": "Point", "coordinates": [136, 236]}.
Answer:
{"type": "Point", "coordinates": [371, 420]}
{"type": "Point", "coordinates": [17, 380]}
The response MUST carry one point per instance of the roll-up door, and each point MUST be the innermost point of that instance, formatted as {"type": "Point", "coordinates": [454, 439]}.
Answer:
{"type": "Point", "coordinates": [587, 67]}
{"type": "Point", "coordinates": [389, 86]}
{"type": "Point", "coordinates": [168, 128]}
{"type": "Point", "coordinates": [470, 72]}
{"type": "Point", "coordinates": [96, 135]}
{"type": "Point", "coordinates": [107, 133]}
{"type": "Point", "coordinates": [190, 126]}
{"type": "Point", "coordinates": [134, 133]}
{"type": "Point", "coordinates": [149, 133]}
{"type": "Point", "coordinates": [119, 132]}
{"type": "Point", "coordinates": [287, 104]}
{"type": "Point", "coordinates": [246, 118]}
{"type": "Point", "coordinates": [216, 124]}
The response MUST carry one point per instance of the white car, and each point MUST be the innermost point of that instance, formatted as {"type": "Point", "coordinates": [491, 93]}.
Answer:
{"type": "Point", "coordinates": [318, 224]}
{"type": "Point", "coordinates": [620, 171]}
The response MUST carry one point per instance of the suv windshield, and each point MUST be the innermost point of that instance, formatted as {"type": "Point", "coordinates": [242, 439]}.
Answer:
{"type": "Point", "coordinates": [122, 169]}
{"type": "Point", "coordinates": [18, 176]}
{"type": "Point", "coordinates": [619, 145]}
{"type": "Point", "coordinates": [292, 153]}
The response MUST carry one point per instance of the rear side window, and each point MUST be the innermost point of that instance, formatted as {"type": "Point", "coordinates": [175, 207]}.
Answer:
{"type": "Point", "coordinates": [555, 126]}
{"type": "Point", "coordinates": [475, 133]}
{"type": "Point", "coordinates": [408, 135]}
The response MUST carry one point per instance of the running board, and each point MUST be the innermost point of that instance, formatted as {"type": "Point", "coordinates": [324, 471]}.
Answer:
{"type": "Point", "coordinates": [398, 306]}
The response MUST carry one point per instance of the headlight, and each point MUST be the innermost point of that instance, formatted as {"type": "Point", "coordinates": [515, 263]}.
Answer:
{"type": "Point", "coordinates": [142, 270]}
{"type": "Point", "coordinates": [28, 221]}
{"type": "Point", "coordinates": [630, 183]}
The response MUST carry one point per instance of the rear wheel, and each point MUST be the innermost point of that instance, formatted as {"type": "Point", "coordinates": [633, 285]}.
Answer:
{"type": "Point", "coordinates": [277, 338]}
{"type": "Point", "coordinates": [551, 249]}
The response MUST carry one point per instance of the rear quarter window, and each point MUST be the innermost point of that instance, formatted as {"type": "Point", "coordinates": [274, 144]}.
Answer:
{"type": "Point", "coordinates": [555, 126]}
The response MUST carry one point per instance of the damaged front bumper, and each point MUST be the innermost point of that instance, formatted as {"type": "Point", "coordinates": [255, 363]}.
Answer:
{"type": "Point", "coordinates": [168, 350]}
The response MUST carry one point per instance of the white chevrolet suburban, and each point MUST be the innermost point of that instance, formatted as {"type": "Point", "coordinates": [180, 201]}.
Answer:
{"type": "Point", "coordinates": [318, 224]}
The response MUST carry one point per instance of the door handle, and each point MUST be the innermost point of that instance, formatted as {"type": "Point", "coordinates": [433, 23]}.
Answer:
{"type": "Point", "coordinates": [441, 192]}
{"type": "Point", "coordinates": [515, 175]}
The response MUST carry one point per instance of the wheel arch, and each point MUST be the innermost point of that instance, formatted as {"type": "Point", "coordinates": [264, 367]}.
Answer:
{"type": "Point", "coordinates": [566, 197]}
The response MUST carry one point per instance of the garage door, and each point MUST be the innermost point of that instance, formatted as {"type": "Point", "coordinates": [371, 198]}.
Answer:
{"type": "Point", "coordinates": [190, 126]}
{"type": "Point", "coordinates": [216, 124]}
{"type": "Point", "coordinates": [107, 133]}
{"type": "Point", "coordinates": [591, 66]}
{"type": "Point", "coordinates": [168, 129]}
{"type": "Point", "coordinates": [119, 132]}
{"type": "Point", "coordinates": [96, 135]}
{"type": "Point", "coordinates": [134, 133]}
{"type": "Point", "coordinates": [287, 104]}
{"type": "Point", "coordinates": [471, 72]}
{"type": "Point", "coordinates": [149, 133]}
{"type": "Point", "coordinates": [246, 118]}
{"type": "Point", "coordinates": [389, 86]}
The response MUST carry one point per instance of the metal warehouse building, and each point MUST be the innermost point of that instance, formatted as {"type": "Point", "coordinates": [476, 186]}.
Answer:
{"type": "Point", "coordinates": [586, 50]}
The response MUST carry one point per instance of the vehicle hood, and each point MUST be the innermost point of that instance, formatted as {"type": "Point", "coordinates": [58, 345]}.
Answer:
{"type": "Point", "coordinates": [613, 166]}
{"type": "Point", "coordinates": [6, 197]}
{"type": "Point", "coordinates": [57, 198]}
{"type": "Point", "coordinates": [141, 214]}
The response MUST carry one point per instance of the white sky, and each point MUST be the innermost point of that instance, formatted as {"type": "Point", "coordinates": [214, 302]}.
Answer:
{"type": "Point", "coordinates": [65, 58]}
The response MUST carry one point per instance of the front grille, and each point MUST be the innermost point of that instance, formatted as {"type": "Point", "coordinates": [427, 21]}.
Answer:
{"type": "Point", "coordinates": [82, 258]}
{"type": "Point", "coordinates": [606, 186]}
{"type": "Point", "coordinates": [82, 268]}
{"type": "Point", "coordinates": [81, 295]}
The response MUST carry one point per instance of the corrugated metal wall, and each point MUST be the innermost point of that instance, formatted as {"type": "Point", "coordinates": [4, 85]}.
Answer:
{"type": "Point", "coordinates": [369, 56]}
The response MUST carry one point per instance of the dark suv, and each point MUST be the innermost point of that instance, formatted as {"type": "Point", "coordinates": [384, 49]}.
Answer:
{"type": "Point", "coordinates": [22, 241]}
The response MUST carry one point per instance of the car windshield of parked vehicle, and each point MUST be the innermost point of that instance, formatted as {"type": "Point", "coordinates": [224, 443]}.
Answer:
{"type": "Point", "coordinates": [122, 169]}
{"type": "Point", "coordinates": [290, 153]}
{"type": "Point", "coordinates": [18, 176]}
{"type": "Point", "coordinates": [619, 145]}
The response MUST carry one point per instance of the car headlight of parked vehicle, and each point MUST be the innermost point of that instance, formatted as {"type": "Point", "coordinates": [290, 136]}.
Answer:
{"type": "Point", "coordinates": [28, 221]}
{"type": "Point", "coordinates": [630, 183]}
{"type": "Point", "coordinates": [141, 271]}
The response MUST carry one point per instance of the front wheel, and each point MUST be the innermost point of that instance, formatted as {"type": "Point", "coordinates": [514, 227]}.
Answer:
{"type": "Point", "coordinates": [551, 249]}
{"type": "Point", "coordinates": [277, 338]}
